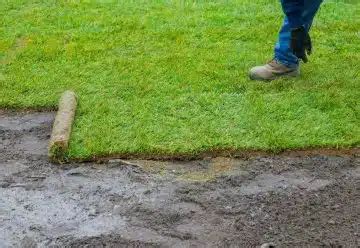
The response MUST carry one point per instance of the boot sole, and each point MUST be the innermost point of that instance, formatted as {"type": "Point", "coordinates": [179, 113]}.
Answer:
{"type": "Point", "coordinates": [288, 74]}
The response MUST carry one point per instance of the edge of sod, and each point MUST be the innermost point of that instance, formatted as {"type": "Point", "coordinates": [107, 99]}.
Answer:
{"type": "Point", "coordinates": [21, 110]}
{"type": "Point", "coordinates": [233, 153]}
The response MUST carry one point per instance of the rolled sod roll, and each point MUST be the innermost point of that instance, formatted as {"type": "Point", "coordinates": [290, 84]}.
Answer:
{"type": "Point", "coordinates": [60, 135]}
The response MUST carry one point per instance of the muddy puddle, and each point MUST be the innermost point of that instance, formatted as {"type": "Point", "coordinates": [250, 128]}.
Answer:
{"type": "Point", "coordinates": [290, 201]}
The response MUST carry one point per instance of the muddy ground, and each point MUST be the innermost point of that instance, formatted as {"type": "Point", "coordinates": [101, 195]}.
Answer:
{"type": "Point", "coordinates": [290, 201]}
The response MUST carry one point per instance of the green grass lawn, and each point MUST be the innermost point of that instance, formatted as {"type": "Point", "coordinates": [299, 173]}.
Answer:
{"type": "Point", "coordinates": [170, 77]}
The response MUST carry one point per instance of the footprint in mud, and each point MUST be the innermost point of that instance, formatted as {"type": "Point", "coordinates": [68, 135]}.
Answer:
{"type": "Point", "coordinates": [31, 145]}
{"type": "Point", "coordinates": [270, 182]}
{"type": "Point", "coordinates": [25, 133]}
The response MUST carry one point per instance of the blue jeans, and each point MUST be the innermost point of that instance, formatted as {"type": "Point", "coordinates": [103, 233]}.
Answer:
{"type": "Point", "coordinates": [283, 53]}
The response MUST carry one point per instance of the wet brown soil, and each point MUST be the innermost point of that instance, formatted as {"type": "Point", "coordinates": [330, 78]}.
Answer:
{"type": "Point", "coordinates": [288, 200]}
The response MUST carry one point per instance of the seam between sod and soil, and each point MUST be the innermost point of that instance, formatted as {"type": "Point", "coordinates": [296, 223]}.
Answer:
{"type": "Point", "coordinates": [230, 153]}
{"type": "Point", "coordinates": [352, 150]}
{"type": "Point", "coordinates": [31, 110]}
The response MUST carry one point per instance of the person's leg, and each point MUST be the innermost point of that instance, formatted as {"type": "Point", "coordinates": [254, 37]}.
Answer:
{"type": "Point", "coordinates": [283, 53]}
{"type": "Point", "coordinates": [285, 63]}
{"type": "Point", "coordinates": [311, 8]}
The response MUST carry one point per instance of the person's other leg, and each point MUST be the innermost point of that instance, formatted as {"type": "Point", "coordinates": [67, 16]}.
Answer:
{"type": "Point", "coordinates": [283, 53]}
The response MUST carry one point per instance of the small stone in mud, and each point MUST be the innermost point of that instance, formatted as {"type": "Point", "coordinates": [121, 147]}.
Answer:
{"type": "Point", "coordinates": [93, 212]}
{"type": "Point", "coordinates": [268, 245]}
{"type": "Point", "coordinates": [29, 207]}
{"type": "Point", "coordinates": [148, 191]}
{"type": "Point", "coordinates": [117, 209]}
{"type": "Point", "coordinates": [4, 184]}
{"type": "Point", "coordinates": [35, 228]}
{"type": "Point", "coordinates": [336, 206]}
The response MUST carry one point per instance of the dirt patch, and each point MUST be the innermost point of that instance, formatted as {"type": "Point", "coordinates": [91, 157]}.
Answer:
{"type": "Point", "coordinates": [288, 200]}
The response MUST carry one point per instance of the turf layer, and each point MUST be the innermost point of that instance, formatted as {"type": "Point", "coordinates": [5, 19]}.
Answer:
{"type": "Point", "coordinates": [170, 77]}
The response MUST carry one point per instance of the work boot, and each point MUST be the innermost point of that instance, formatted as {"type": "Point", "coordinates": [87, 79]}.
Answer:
{"type": "Point", "coordinates": [273, 70]}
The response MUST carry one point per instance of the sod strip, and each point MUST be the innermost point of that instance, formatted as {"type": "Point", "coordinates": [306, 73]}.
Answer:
{"type": "Point", "coordinates": [60, 136]}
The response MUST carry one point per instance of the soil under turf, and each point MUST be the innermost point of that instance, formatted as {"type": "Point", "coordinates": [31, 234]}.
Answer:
{"type": "Point", "coordinates": [307, 201]}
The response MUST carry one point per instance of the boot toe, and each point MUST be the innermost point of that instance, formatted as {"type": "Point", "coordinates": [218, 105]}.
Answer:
{"type": "Point", "coordinates": [257, 73]}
